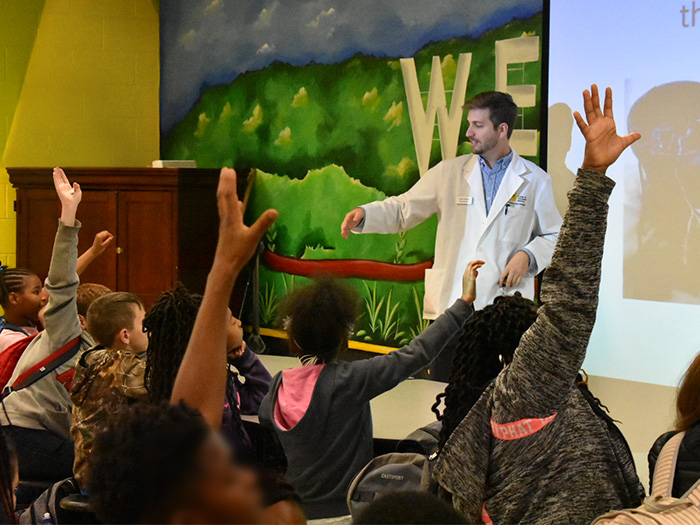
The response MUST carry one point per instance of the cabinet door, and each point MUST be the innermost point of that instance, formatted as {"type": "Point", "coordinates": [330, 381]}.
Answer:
{"type": "Point", "coordinates": [37, 220]}
{"type": "Point", "coordinates": [146, 259]}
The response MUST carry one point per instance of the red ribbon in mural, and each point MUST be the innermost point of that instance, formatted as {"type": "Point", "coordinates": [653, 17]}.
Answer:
{"type": "Point", "coordinates": [360, 268]}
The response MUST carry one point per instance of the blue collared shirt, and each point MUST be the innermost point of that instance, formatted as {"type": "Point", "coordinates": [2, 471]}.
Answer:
{"type": "Point", "coordinates": [493, 177]}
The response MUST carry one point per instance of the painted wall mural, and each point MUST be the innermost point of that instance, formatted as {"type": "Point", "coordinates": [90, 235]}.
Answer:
{"type": "Point", "coordinates": [337, 104]}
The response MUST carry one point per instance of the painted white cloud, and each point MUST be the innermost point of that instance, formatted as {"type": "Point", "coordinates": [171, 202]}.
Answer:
{"type": "Point", "coordinates": [265, 49]}
{"type": "Point", "coordinates": [265, 17]}
{"type": "Point", "coordinates": [323, 14]}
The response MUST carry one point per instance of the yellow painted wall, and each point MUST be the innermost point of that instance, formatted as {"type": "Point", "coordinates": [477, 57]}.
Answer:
{"type": "Point", "coordinates": [19, 21]}
{"type": "Point", "coordinates": [89, 96]}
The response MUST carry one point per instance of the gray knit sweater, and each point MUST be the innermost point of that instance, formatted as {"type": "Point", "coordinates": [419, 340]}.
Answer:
{"type": "Point", "coordinates": [539, 470]}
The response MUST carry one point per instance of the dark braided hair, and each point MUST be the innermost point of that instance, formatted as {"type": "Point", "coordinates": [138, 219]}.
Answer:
{"type": "Point", "coordinates": [169, 324]}
{"type": "Point", "coordinates": [318, 317]}
{"type": "Point", "coordinates": [12, 281]}
{"type": "Point", "coordinates": [489, 337]}
{"type": "Point", "coordinates": [8, 467]}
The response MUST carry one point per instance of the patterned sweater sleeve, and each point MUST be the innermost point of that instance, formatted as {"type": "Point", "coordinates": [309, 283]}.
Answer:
{"type": "Point", "coordinates": [551, 352]}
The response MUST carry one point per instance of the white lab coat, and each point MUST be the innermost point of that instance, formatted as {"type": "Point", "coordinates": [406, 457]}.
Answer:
{"type": "Point", "coordinates": [523, 215]}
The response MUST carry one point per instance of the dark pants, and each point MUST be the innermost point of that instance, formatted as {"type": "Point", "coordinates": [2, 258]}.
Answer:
{"type": "Point", "coordinates": [41, 455]}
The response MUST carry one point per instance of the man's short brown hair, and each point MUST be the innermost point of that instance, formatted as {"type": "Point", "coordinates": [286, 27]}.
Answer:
{"type": "Point", "coordinates": [502, 109]}
{"type": "Point", "coordinates": [87, 293]}
{"type": "Point", "coordinates": [110, 314]}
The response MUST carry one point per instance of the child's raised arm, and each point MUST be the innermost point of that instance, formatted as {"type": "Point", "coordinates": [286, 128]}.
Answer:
{"type": "Point", "coordinates": [551, 352]}
{"type": "Point", "coordinates": [99, 245]}
{"type": "Point", "coordinates": [69, 195]}
{"type": "Point", "coordinates": [201, 379]}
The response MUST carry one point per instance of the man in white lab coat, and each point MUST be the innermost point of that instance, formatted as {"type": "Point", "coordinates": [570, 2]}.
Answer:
{"type": "Point", "coordinates": [491, 205]}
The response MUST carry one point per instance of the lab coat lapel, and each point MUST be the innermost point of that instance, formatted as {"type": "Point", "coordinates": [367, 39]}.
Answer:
{"type": "Point", "coordinates": [472, 172]}
{"type": "Point", "coordinates": [511, 183]}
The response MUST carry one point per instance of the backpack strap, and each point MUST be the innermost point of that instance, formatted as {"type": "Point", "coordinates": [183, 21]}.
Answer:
{"type": "Point", "coordinates": [44, 367]}
{"type": "Point", "coordinates": [665, 469]}
{"type": "Point", "coordinates": [12, 327]}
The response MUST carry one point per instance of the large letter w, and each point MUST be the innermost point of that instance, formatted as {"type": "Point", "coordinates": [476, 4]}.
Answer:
{"type": "Point", "coordinates": [423, 120]}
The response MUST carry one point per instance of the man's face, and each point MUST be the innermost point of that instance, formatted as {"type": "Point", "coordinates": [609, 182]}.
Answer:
{"type": "Point", "coordinates": [226, 492]}
{"type": "Point", "coordinates": [138, 339]}
{"type": "Point", "coordinates": [481, 133]}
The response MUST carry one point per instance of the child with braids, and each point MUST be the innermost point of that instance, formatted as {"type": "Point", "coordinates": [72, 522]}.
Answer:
{"type": "Point", "coordinates": [530, 449]}
{"type": "Point", "coordinates": [38, 418]}
{"type": "Point", "coordinates": [169, 325]}
{"type": "Point", "coordinates": [321, 411]}
{"type": "Point", "coordinates": [22, 296]}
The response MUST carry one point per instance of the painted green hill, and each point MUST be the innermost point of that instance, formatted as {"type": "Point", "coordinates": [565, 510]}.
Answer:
{"type": "Point", "coordinates": [312, 209]}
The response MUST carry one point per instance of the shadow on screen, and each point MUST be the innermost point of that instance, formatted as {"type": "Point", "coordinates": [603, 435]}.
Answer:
{"type": "Point", "coordinates": [662, 200]}
{"type": "Point", "coordinates": [561, 125]}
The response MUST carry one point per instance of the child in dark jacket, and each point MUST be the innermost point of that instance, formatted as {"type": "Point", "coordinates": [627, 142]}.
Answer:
{"type": "Point", "coordinates": [687, 420]}
{"type": "Point", "coordinates": [169, 325]}
{"type": "Point", "coordinates": [321, 411]}
{"type": "Point", "coordinates": [531, 449]}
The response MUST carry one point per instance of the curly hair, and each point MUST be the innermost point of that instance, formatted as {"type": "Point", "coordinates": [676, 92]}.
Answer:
{"type": "Point", "coordinates": [169, 324]}
{"type": "Point", "coordinates": [12, 280]}
{"type": "Point", "coordinates": [488, 341]}
{"type": "Point", "coordinates": [144, 462]}
{"type": "Point", "coordinates": [318, 317]}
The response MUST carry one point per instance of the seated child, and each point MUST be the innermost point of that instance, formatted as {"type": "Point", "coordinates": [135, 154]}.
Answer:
{"type": "Point", "coordinates": [38, 418]}
{"type": "Point", "coordinates": [167, 464]}
{"type": "Point", "coordinates": [687, 471]}
{"type": "Point", "coordinates": [169, 324]}
{"type": "Point", "coordinates": [160, 463]}
{"type": "Point", "coordinates": [321, 411]}
{"type": "Point", "coordinates": [22, 296]}
{"type": "Point", "coordinates": [109, 376]}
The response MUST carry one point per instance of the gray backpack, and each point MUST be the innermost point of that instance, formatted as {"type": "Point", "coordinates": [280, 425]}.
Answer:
{"type": "Point", "coordinates": [398, 471]}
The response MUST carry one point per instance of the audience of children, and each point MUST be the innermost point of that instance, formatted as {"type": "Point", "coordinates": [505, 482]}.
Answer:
{"type": "Point", "coordinates": [169, 324]}
{"type": "Point", "coordinates": [156, 407]}
{"type": "Point", "coordinates": [109, 376]}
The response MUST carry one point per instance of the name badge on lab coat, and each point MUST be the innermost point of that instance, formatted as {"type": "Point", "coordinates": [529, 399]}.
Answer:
{"type": "Point", "coordinates": [465, 201]}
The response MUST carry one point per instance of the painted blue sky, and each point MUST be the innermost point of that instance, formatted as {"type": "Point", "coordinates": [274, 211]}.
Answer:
{"type": "Point", "coordinates": [210, 42]}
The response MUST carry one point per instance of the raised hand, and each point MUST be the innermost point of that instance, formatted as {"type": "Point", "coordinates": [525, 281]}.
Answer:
{"type": "Point", "coordinates": [69, 195]}
{"type": "Point", "coordinates": [204, 362]}
{"type": "Point", "coordinates": [237, 242]}
{"type": "Point", "coordinates": [603, 144]}
{"type": "Point", "coordinates": [469, 281]}
{"type": "Point", "coordinates": [101, 241]}
{"type": "Point", "coordinates": [351, 221]}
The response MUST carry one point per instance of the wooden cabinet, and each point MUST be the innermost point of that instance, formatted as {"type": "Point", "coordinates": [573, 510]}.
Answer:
{"type": "Point", "coordinates": [164, 219]}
